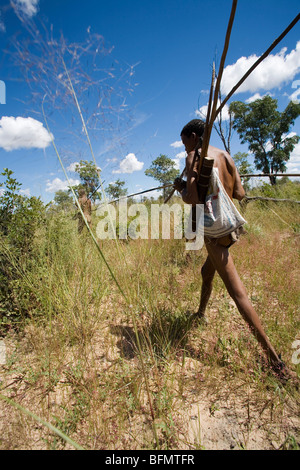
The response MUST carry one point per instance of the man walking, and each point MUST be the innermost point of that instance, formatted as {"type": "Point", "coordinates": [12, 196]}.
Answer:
{"type": "Point", "coordinates": [219, 259]}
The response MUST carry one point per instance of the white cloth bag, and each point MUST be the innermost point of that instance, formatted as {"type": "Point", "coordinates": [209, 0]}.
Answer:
{"type": "Point", "coordinates": [221, 217]}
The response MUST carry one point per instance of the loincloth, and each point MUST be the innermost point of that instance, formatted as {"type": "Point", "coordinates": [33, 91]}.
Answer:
{"type": "Point", "coordinates": [228, 240]}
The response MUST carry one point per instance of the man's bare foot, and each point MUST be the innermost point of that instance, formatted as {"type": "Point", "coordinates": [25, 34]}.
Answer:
{"type": "Point", "coordinates": [284, 374]}
{"type": "Point", "coordinates": [199, 318]}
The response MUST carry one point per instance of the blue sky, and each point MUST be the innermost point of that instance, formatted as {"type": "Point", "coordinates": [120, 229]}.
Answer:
{"type": "Point", "coordinates": [135, 98]}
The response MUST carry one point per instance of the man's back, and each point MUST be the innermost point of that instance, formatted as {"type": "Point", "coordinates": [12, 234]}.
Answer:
{"type": "Point", "coordinates": [228, 173]}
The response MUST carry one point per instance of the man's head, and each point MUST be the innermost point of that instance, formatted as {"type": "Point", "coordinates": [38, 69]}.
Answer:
{"type": "Point", "coordinates": [192, 133]}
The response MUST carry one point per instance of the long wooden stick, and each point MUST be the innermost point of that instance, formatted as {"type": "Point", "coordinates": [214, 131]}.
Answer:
{"type": "Point", "coordinates": [210, 100]}
{"type": "Point", "coordinates": [206, 124]}
{"type": "Point", "coordinates": [171, 184]}
{"type": "Point", "coordinates": [260, 198]}
{"type": "Point", "coordinates": [268, 174]}
{"type": "Point", "coordinates": [212, 114]}
{"type": "Point", "coordinates": [208, 129]}
{"type": "Point", "coordinates": [259, 60]}
{"type": "Point", "coordinates": [173, 190]}
{"type": "Point", "coordinates": [205, 165]}
{"type": "Point", "coordinates": [142, 192]}
{"type": "Point", "coordinates": [214, 93]}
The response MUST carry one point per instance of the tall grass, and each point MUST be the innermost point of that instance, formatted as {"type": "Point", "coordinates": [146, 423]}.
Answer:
{"type": "Point", "coordinates": [105, 355]}
{"type": "Point", "coordinates": [80, 360]}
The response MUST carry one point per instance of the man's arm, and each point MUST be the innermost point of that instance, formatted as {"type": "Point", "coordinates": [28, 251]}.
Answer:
{"type": "Point", "coordinates": [238, 190]}
{"type": "Point", "coordinates": [229, 175]}
{"type": "Point", "coordinates": [190, 193]}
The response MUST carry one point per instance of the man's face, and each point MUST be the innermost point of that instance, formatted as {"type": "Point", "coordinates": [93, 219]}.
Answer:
{"type": "Point", "coordinates": [190, 142]}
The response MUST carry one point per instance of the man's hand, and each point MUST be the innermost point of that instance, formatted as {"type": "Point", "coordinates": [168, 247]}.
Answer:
{"type": "Point", "coordinates": [179, 184]}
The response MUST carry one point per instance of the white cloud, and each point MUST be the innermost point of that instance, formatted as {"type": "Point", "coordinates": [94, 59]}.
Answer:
{"type": "Point", "coordinates": [295, 96]}
{"type": "Point", "coordinates": [176, 144]}
{"type": "Point", "coordinates": [57, 184]}
{"type": "Point", "coordinates": [27, 7]}
{"type": "Point", "coordinates": [17, 133]}
{"type": "Point", "coordinates": [201, 113]}
{"type": "Point", "coordinates": [273, 72]}
{"type": "Point", "coordinates": [293, 165]}
{"type": "Point", "coordinates": [72, 167]}
{"type": "Point", "coordinates": [129, 164]}
{"type": "Point", "coordinates": [176, 163]}
{"type": "Point", "coordinates": [25, 192]}
{"type": "Point", "coordinates": [255, 97]}
{"type": "Point", "coordinates": [181, 155]}
{"type": "Point", "coordinates": [178, 158]}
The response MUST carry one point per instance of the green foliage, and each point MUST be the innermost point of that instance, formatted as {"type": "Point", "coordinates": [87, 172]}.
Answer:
{"type": "Point", "coordinates": [243, 167]}
{"type": "Point", "coordinates": [163, 170]}
{"type": "Point", "coordinates": [21, 218]}
{"type": "Point", "coordinates": [91, 354]}
{"type": "Point", "coordinates": [20, 215]}
{"type": "Point", "coordinates": [88, 173]}
{"type": "Point", "coordinates": [9, 199]}
{"type": "Point", "coordinates": [265, 129]}
{"type": "Point", "coordinates": [242, 164]}
{"type": "Point", "coordinates": [284, 189]}
{"type": "Point", "coordinates": [116, 190]}
{"type": "Point", "coordinates": [63, 199]}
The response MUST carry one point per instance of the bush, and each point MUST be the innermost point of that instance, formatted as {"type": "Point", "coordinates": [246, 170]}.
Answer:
{"type": "Point", "coordinates": [20, 219]}
{"type": "Point", "coordinates": [284, 189]}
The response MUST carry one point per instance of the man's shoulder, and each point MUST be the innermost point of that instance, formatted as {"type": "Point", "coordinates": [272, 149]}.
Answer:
{"type": "Point", "coordinates": [222, 158]}
{"type": "Point", "coordinates": [215, 151]}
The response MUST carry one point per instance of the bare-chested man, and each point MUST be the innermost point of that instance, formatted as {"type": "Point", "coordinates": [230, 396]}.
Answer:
{"type": "Point", "coordinates": [86, 207]}
{"type": "Point", "coordinates": [219, 259]}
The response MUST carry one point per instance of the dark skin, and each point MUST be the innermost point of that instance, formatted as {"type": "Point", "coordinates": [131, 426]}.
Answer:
{"type": "Point", "coordinates": [219, 259]}
{"type": "Point", "coordinates": [86, 207]}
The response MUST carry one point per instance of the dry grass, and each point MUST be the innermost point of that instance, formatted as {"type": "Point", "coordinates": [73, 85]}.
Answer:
{"type": "Point", "coordinates": [116, 373]}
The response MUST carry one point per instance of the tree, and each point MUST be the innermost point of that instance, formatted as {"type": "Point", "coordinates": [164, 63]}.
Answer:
{"type": "Point", "coordinates": [9, 199]}
{"type": "Point", "coordinates": [116, 190]}
{"type": "Point", "coordinates": [89, 176]}
{"type": "Point", "coordinates": [63, 199]}
{"type": "Point", "coordinates": [20, 216]}
{"type": "Point", "coordinates": [243, 167]}
{"type": "Point", "coordinates": [266, 130]}
{"type": "Point", "coordinates": [22, 220]}
{"type": "Point", "coordinates": [163, 170]}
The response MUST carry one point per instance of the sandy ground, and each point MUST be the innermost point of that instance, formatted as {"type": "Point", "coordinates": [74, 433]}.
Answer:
{"type": "Point", "coordinates": [212, 411]}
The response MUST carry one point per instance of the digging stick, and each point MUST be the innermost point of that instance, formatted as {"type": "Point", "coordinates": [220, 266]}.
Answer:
{"type": "Point", "coordinates": [211, 118]}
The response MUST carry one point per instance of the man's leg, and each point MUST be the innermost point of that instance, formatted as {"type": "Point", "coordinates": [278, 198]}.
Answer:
{"type": "Point", "coordinates": [223, 263]}
{"type": "Point", "coordinates": [207, 272]}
